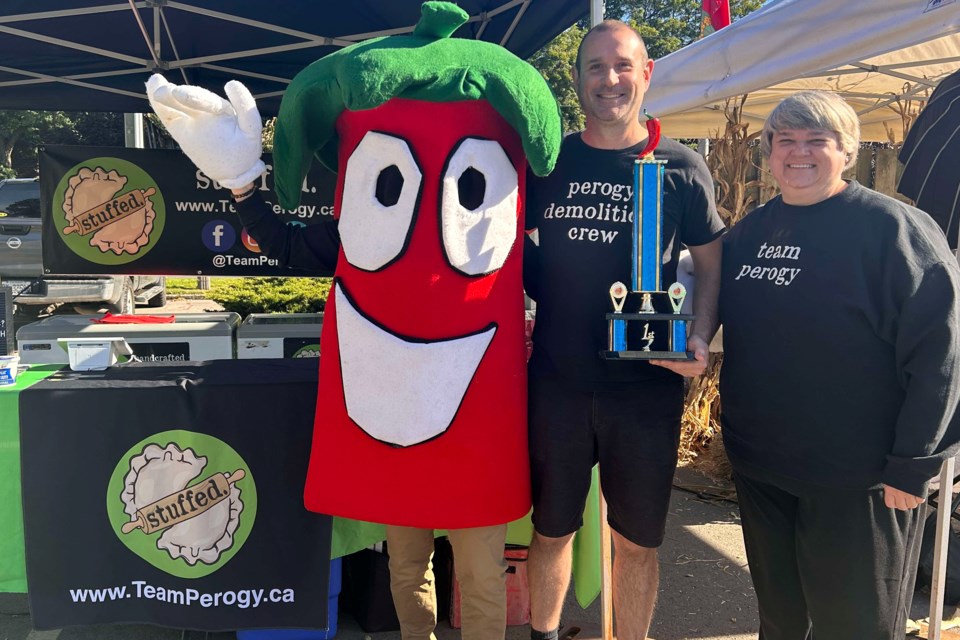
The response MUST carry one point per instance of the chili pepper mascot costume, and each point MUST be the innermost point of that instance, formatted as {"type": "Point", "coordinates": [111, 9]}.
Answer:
{"type": "Point", "coordinates": [421, 411]}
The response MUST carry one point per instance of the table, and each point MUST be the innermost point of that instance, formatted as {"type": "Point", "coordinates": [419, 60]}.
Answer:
{"type": "Point", "coordinates": [171, 494]}
{"type": "Point", "coordinates": [348, 535]}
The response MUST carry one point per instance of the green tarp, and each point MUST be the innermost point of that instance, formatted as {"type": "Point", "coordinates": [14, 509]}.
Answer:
{"type": "Point", "coordinates": [13, 571]}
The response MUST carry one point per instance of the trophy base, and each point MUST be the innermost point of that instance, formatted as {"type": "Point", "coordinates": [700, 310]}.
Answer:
{"type": "Point", "coordinates": [647, 355]}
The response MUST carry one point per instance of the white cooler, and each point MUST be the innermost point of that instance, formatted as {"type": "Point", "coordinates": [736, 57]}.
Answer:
{"type": "Point", "coordinates": [192, 336]}
{"type": "Point", "coordinates": [280, 335]}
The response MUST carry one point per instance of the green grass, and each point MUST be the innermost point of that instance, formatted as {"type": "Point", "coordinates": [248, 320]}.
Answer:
{"type": "Point", "coordinates": [259, 295]}
{"type": "Point", "coordinates": [180, 286]}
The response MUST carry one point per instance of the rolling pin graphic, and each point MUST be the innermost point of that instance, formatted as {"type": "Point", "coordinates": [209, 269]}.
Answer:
{"type": "Point", "coordinates": [184, 504]}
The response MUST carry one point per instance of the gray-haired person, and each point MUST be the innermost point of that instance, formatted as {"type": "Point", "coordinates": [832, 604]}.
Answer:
{"type": "Point", "coordinates": [840, 382]}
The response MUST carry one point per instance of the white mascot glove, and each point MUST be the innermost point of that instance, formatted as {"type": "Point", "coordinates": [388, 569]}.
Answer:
{"type": "Point", "coordinates": [221, 138]}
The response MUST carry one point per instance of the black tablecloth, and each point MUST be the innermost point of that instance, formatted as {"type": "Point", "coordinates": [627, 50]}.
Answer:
{"type": "Point", "coordinates": [171, 440]}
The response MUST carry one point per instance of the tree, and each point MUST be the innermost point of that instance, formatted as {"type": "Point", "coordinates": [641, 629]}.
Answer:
{"type": "Point", "coordinates": [159, 138]}
{"type": "Point", "coordinates": [98, 129]}
{"type": "Point", "coordinates": [554, 61]}
{"type": "Point", "coordinates": [666, 25]}
{"type": "Point", "coordinates": [22, 131]}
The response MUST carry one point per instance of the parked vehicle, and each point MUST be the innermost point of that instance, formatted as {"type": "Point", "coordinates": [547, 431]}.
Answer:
{"type": "Point", "coordinates": [21, 265]}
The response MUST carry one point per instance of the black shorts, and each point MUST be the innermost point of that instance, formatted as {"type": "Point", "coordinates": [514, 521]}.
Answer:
{"type": "Point", "coordinates": [634, 435]}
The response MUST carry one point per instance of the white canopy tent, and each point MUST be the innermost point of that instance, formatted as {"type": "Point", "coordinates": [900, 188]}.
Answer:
{"type": "Point", "coordinates": [879, 54]}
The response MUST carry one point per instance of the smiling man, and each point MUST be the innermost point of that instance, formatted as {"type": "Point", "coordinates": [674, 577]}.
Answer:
{"type": "Point", "coordinates": [624, 414]}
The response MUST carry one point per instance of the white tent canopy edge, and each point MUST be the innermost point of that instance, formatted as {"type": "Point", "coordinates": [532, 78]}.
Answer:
{"type": "Point", "coordinates": [877, 54]}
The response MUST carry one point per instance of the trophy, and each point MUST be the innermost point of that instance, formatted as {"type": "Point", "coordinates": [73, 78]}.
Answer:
{"type": "Point", "coordinates": [645, 276]}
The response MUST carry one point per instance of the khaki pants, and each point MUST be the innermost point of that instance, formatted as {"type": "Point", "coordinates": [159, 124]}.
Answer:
{"type": "Point", "coordinates": [481, 571]}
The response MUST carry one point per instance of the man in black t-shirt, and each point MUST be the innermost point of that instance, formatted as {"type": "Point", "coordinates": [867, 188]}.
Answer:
{"type": "Point", "coordinates": [583, 410]}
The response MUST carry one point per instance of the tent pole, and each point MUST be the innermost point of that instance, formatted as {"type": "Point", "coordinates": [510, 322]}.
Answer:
{"type": "Point", "coordinates": [606, 550]}
{"type": "Point", "coordinates": [596, 12]}
{"type": "Point", "coordinates": [941, 547]}
{"type": "Point", "coordinates": [133, 130]}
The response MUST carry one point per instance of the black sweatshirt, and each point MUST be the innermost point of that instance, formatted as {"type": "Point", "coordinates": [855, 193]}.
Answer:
{"type": "Point", "coordinates": [841, 342]}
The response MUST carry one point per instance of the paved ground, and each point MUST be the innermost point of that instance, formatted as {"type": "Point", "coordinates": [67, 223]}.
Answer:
{"type": "Point", "coordinates": [182, 305]}
{"type": "Point", "coordinates": [705, 590]}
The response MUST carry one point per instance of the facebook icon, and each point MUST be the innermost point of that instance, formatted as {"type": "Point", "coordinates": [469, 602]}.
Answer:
{"type": "Point", "coordinates": [218, 236]}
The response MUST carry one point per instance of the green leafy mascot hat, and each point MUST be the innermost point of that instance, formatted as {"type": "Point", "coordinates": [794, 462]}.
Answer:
{"type": "Point", "coordinates": [427, 65]}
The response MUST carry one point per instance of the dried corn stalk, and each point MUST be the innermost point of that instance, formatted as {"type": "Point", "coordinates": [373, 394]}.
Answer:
{"type": "Point", "coordinates": [699, 424]}
{"type": "Point", "coordinates": [907, 104]}
{"type": "Point", "coordinates": [732, 166]}
{"type": "Point", "coordinates": [735, 175]}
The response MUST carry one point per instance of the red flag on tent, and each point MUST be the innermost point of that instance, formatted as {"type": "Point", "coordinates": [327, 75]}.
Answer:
{"type": "Point", "coordinates": [717, 11]}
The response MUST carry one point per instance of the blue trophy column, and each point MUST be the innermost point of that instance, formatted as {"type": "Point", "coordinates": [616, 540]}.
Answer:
{"type": "Point", "coordinates": [647, 241]}
{"type": "Point", "coordinates": [679, 335]}
{"type": "Point", "coordinates": [618, 337]}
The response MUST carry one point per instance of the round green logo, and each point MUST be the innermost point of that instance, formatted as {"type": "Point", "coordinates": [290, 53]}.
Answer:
{"type": "Point", "coordinates": [108, 211]}
{"type": "Point", "coordinates": [307, 351]}
{"type": "Point", "coordinates": [185, 502]}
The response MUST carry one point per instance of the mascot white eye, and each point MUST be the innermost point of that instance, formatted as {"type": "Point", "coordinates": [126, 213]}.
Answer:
{"type": "Point", "coordinates": [478, 207]}
{"type": "Point", "coordinates": [381, 189]}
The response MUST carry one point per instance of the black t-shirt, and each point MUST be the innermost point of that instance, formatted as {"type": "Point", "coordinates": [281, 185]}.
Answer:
{"type": "Point", "coordinates": [583, 212]}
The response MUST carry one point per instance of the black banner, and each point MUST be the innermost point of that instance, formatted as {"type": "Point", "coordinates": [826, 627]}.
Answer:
{"type": "Point", "coordinates": [301, 347]}
{"type": "Point", "coordinates": [171, 494]}
{"type": "Point", "coordinates": [114, 210]}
